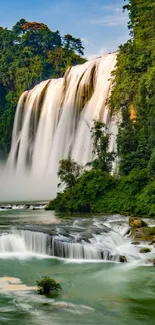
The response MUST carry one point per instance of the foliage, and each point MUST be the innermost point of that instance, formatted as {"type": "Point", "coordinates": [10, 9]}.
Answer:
{"type": "Point", "coordinates": [146, 200]}
{"type": "Point", "coordinates": [73, 43]}
{"type": "Point", "coordinates": [30, 53]}
{"type": "Point", "coordinates": [47, 285]}
{"type": "Point", "coordinates": [151, 165]}
{"type": "Point", "coordinates": [99, 192]}
{"type": "Point", "coordinates": [83, 196]}
{"type": "Point", "coordinates": [49, 206]}
{"type": "Point", "coordinates": [100, 138]}
{"type": "Point", "coordinates": [134, 90]}
{"type": "Point", "coordinates": [69, 172]}
{"type": "Point", "coordinates": [133, 190]}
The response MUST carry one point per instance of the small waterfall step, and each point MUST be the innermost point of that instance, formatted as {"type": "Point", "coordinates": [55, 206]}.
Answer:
{"type": "Point", "coordinates": [103, 246]}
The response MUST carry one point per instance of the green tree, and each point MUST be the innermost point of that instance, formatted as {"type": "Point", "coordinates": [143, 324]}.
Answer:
{"type": "Point", "coordinates": [74, 44]}
{"type": "Point", "coordinates": [103, 158]}
{"type": "Point", "coordinates": [69, 172]}
{"type": "Point", "coordinates": [134, 78]}
{"type": "Point", "coordinates": [29, 53]}
{"type": "Point", "coordinates": [151, 165]}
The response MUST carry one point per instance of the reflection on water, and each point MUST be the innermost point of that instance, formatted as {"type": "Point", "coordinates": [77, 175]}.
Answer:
{"type": "Point", "coordinates": [21, 216]}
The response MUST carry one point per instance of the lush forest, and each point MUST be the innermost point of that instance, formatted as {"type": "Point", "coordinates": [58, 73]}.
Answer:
{"type": "Point", "coordinates": [30, 53]}
{"type": "Point", "coordinates": [133, 189]}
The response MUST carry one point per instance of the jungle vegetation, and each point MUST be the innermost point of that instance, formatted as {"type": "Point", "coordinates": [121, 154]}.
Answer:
{"type": "Point", "coordinates": [29, 53]}
{"type": "Point", "coordinates": [132, 190]}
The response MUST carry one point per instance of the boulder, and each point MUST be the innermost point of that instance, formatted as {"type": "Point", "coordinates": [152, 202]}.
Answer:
{"type": "Point", "coordinates": [137, 223]}
{"type": "Point", "coordinates": [152, 242]}
{"type": "Point", "coordinates": [143, 234]}
{"type": "Point", "coordinates": [122, 259]}
{"type": "Point", "coordinates": [152, 261]}
{"type": "Point", "coordinates": [135, 242]}
{"type": "Point", "coordinates": [145, 250]}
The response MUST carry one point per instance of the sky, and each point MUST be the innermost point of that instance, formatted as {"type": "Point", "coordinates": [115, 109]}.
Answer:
{"type": "Point", "coordinates": [100, 24]}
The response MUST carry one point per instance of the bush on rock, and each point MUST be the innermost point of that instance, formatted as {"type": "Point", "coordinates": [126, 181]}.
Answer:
{"type": "Point", "coordinates": [47, 285]}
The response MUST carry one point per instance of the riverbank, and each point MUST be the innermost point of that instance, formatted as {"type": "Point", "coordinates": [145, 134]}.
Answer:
{"type": "Point", "coordinates": [98, 192]}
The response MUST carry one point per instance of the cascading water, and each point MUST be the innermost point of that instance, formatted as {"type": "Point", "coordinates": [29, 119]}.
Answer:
{"type": "Point", "coordinates": [94, 241]}
{"type": "Point", "coordinates": [58, 246]}
{"type": "Point", "coordinates": [23, 242]}
{"type": "Point", "coordinates": [54, 119]}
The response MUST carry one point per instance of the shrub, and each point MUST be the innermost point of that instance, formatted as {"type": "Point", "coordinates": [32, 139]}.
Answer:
{"type": "Point", "coordinates": [47, 285]}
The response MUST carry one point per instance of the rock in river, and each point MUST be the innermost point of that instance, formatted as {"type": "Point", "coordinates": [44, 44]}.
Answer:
{"type": "Point", "coordinates": [137, 223]}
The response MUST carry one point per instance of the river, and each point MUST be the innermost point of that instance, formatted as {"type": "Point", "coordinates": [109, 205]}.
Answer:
{"type": "Point", "coordinates": [97, 289]}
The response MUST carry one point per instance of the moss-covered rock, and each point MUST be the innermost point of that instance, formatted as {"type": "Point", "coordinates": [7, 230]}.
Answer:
{"type": "Point", "coordinates": [145, 250]}
{"type": "Point", "coordinates": [137, 223]}
{"type": "Point", "coordinates": [151, 231]}
{"type": "Point", "coordinates": [152, 242]}
{"type": "Point", "coordinates": [152, 261]}
{"type": "Point", "coordinates": [143, 234]}
{"type": "Point", "coordinates": [135, 242]}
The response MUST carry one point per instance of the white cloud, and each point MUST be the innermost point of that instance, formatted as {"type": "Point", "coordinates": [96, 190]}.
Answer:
{"type": "Point", "coordinates": [111, 46]}
{"type": "Point", "coordinates": [112, 16]}
{"type": "Point", "coordinates": [98, 53]}
{"type": "Point", "coordinates": [112, 20]}
{"type": "Point", "coordinates": [86, 41]}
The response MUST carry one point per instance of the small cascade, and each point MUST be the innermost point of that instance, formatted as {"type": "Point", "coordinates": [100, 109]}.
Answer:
{"type": "Point", "coordinates": [10, 243]}
{"type": "Point", "coordinates": [36, 242]}
{"type": "Point", "coordinates": [24, 241]}
{"type": "Point", "coordinates": [108, 245]}
{"type": "Point", "coordinates": [75, 250]}
{"type": "Point", "coordinates": [29, 206]}
{"type": "Point", "coordinates": [39, 243]}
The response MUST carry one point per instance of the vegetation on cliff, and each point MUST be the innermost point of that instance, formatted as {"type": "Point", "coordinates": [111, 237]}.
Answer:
{"type": "Point", "coordinates": [134, 90]}
{"type": "Point", "coordinates": [133, 190]}
{"type": "Point", "coordinates": [30, 53]}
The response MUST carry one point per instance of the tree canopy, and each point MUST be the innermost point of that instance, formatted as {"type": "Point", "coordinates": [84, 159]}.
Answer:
{"type": "Point", "coordinates": [29, 53]}
{"type": "Point", "coordinates": [69, 172]}
{"type": "Point", "coordinates": [133, 90]}
{"type": "Point", "coordinates": [103, 158]}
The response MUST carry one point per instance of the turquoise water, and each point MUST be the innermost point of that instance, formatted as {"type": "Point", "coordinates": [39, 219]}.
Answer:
{"type": "Point", "coordinates": [93, 293]}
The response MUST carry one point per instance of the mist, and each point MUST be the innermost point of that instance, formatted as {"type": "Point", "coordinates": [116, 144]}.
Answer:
{"type": "Point", "coordinates": [22, 187]}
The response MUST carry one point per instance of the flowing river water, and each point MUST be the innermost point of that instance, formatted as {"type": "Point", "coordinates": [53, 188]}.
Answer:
{"type": "Point", "coordinates": [83, 256]}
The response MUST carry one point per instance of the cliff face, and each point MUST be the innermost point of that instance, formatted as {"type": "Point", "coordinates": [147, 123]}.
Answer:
{"type": "Point", "coordinates": [134, 90]}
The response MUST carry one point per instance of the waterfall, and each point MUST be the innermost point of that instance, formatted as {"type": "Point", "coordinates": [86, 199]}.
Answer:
{"type": "Point", "coordinates": [24, 241]}
{"type": "Point", "coordinates": [75, 250]}
{"type": "Point", "coordinates": [106, 246]}
{"type": "Point", "coordinates": [53, 121]}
